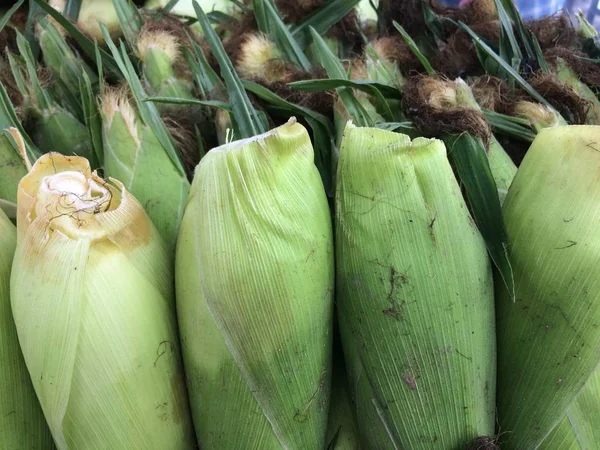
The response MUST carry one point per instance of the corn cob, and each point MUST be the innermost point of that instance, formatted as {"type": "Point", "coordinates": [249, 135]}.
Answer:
{"type": "Point", "coordinates": [160, 54]}
{"type": "Point", "coordinates": [92, 300]}
{"type": "Point", "coordinates": [134, 155]}
{"type": "Point", "coordinates": [548, 338]}
{"type": "Point", "coordinates": [414, 289]}
{"type": "Point", "coordinates": [256, 320]}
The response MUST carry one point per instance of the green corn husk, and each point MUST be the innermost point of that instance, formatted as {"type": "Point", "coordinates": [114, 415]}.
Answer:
{"type": "Point", "coordinates": [134, 155]}
{"type": "Point", "coordinates": [584, 413]}
{"type": "Point", "coordinates": [379, 68]}
{"type": "Point", "coordinates": [446, 96]}
{"type": "Point", "coordinates": [256, 321]}
{"type": "Point", "coordinates": [548, 338]}
{"type": "Point", "coordinates": [414, 288]}
{"type": "Point", "coordinates": [159, 53]}
{"type": "Point", "coordinates": [374, 432]}
{"type": "Point", "coordinates": [342, 429]}
{"type": "Point", "coordinates": [55, 128]}
{"type": "Point", "coordinates": [502, 166]}
{"type": "Point", "coordinates": [579, 429]}
{"type": "Point", "coordinates": [66, 66]}
{"type": "Point", "coordinates": [92, 300]}
{"type": "Point", "coordinates": [563, 437]}
{"type": "Point", "coordinates": [12, 168]}
{"type": "Point", "coordinates": [22, 423]}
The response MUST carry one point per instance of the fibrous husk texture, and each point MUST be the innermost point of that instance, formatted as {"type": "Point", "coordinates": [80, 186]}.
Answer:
{"type": "Point", "coordinates": [459, 55]}
{"type": "Point", "coordinates": [484, 443]}
{"type": "Point", "coordinates": [494, 93]}
{"type": "Point", "coordinates": [561, 96]}
{"type": "Point", "coordinates": [434, 118]}
{"type": "Point", "coordinates": [587, 71]}
{"type": "Point", "coordinates": [553, 31]}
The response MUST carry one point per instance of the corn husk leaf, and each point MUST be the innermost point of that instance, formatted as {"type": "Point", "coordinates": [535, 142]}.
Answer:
{"type": "Point", "coordinates": [342, 429]}
{"type": "Point", "coordinates": [134, 155]}
{"type": "Point", "coordinates": [67, 67]}
{"type": "Point", "coordinates": [322, 19]}
{"type": "Point", "coordinates": [550, 213]}
{"type": "Point", "coordinates": [5, 19]}
{"type": "Point", "coordinates": [335, 69]}
{"type": "Point", "coordinates": [92, 300]}
{"type": "Point", "coordinates": [414, 288]}
{"type": "Point", "coordinates": [247, 121]}
{"type": "Point", "coordinates": [259, 204]}
{"type": "Point", "coordinates": [563, 437]}
{"type": "Point", "coordinates": [56, 128]}
{"type": "Point", "coordinates": [373, 424]}
{"type": "Point", "coordinates": [321, 126]}
{"type": "Point", "coordinates": [22, 423]}
{"type": "Point", "coordinates": [12, 164]}
{"type": "Point", "coordinates": [9, 119]}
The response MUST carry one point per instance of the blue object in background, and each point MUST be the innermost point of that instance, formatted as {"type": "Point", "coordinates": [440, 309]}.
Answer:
{"type": "Point", "coordinates": [529, 9]}
{"type": "Point", "coordinates": [536, 9]}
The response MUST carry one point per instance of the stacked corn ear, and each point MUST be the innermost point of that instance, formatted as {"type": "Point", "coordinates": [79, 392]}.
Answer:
{"type": "Point", "coordinates": [539, 116]}
{"type": "Point", "coordinates": [414, 289]}
{"type": "Point", "coordinates": [566, 74]}
{"type": "Point", "coordinates": [55, 127]}
{"type": "Point", "coordinates": [68, 70]}
{"type": "Point", "coordinates": [134, 154]}
{"type": "Point", "coordinates": [254, 276]}
{"type": "Point", "coordinates": [92, 300]}
{"type": "Point", "coordinates": [160, 55]}
{"type": "Point", "coordinates": [549, 338]}
{"type": "Point", "coordinates": [22, 423]}
{"type": "Point", "coordinates": [502, 166]}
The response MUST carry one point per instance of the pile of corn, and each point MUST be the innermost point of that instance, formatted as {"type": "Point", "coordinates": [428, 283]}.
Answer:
{"type": "Point", "coordinates": [301, 225]}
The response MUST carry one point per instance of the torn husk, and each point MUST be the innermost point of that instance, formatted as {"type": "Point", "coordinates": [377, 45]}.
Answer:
{"type": "Point", "coordinates": [92, 299]}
